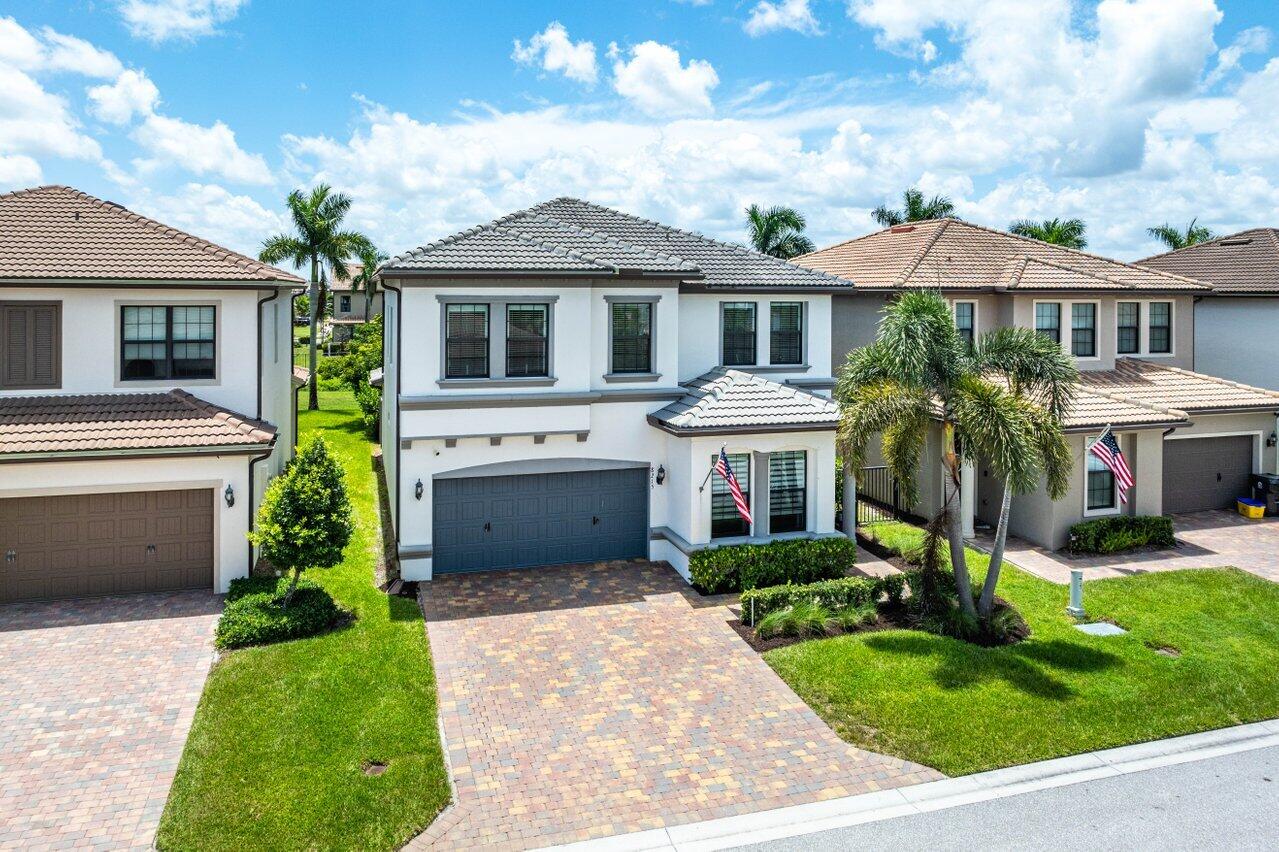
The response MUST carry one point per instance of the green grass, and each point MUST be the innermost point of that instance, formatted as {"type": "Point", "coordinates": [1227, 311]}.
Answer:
{"type": "Point", "coordinates": [963, 709]}
{"type": "Point", "coordinates": [274, 759]}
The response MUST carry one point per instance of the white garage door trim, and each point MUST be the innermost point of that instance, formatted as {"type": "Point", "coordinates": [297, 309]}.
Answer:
{"type": "Point", "coordinates": [1256, 441]}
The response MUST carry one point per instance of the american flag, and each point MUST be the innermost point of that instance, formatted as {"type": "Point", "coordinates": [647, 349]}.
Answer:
{"type": "Point", "coordinates": [725, 470]}
{"type": "Point", "coordinates": [1107, 449]}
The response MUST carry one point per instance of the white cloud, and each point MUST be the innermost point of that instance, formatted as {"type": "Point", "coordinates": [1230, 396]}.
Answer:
{"type": "Point", "coordinates": [183, 20]}
{"type": "Point", "coordinates": [131, 94]}
{"type": "Point", "coordinates": [17, 171]}
{"type": "Point", "coordinates": [1250, 140]}
{"type": "Point", "coordinates": [198, 149]}
{"type": "Point", "coordinates": [767, 17]}
{"type": "Point", "coordinates": [213, 213]}
{"type": "Point", "coordinates": [68, 53]}
{"type": "Point", "coordinates": [655, 81]}
{"type": "Point", "coordinates": [1251, 40]}
{"type": "Point", "coordinates": [554, 51]}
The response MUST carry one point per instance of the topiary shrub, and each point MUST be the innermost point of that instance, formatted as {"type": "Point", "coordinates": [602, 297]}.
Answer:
{"type": "Point", "coordinates": [253, 614]}
{"type": "Point", "coordinates": [1120, 533]}
{"type": "Point", "coordinates": [715, 570]}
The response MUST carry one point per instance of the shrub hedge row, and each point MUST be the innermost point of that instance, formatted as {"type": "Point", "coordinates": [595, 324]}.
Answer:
{"type": "Point", "coordinates": [1112, 535]}
{"type": "Point", "coordinates": [831, 594]}
{"type": "Point", "coordinates": [737, 567]}
{"type": "Point", "coordinates": [252, 615]}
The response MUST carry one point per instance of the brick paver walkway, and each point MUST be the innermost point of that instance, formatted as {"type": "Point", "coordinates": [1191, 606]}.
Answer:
{"type": "Point", "coordinates": [1208, 540]}
{"type": "Point", "coordinates": [585, 701]}
{"type": "Point", "coordinates": [96, 698]}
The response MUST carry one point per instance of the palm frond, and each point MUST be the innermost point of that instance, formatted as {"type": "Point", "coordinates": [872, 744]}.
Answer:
{"type": "Point", "coordinates": [997, 426]}
{"type": "Point", "coordinates": [871, 409]}
{"type": "Point", "coordinates": [1032, 364]}
{"type": "Point", "coordinates": [282, 247]}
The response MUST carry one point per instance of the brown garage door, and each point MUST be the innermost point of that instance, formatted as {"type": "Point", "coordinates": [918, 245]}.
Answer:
{"type": "Point", "coordinates": [1206, 473]}
{"type": "Point", "coordinates": [105, 544]}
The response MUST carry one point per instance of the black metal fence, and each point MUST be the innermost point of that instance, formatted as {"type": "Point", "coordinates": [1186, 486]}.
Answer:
{"type": "Point", "coordinates": [878, 498]}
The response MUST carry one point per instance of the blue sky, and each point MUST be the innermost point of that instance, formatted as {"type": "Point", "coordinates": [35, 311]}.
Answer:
{"type": "Point", "coordinates": [434, 116]}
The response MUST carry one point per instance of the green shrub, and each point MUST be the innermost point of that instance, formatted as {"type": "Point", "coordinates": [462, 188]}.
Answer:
{"type": "Point", "coordinates": [369, 399]}
{"type": "Point", "coordinates": [856, 616]}
{"type": "Point", "coordinates": [254, 615]}
{"type": "Point", "coordinates": [802, 619]}
{"type": "Point", "coordinates": [833, 594]}
{"type": "Point", "coordinates": [736, 567]}
{"type": "Point", "coordinates": [1120, 533]}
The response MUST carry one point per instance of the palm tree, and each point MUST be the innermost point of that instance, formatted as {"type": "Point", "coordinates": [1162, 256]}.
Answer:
{"type": "Point", "coordinates": [320, 241]}
{"type": "Point", "coordinates": [1001, 401]}
{"type": "Point", "coordinates": [364, 282]}
{"type": "Point", "coordinates": [778, 231]}
{"type": "Point", "coordinates": [1175, 239]}
{"type": "Point", "coordinates": [915, 209]}
{"type": "Point", "coordinates": [1059, 232]}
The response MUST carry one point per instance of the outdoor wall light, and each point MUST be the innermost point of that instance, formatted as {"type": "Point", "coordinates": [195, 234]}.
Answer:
{"type": "Point", "coordinates": [229, 496]}
{"type": "Point", "coordinates": [661, 474]}
{"type": "Point", "coordinates": [1270, 442]}
{"type": "Point", "coordinates": [417, 490]}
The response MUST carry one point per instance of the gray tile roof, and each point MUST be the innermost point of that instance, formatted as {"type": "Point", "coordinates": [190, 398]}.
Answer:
{"type": "Point", "coordinates": [572, 236]}
{"type": "Point", "coordinates": [1246, 262]}
{"type": "Point", "coordinates": [727, 400]}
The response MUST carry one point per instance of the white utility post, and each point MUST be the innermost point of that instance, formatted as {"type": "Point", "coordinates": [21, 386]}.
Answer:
{"type": "Point", "coordinates": [1076, 607]}
{"type": "Point", "coordinates": [967, 498]}
{"type": "Point", "coordinates": [850, 500]}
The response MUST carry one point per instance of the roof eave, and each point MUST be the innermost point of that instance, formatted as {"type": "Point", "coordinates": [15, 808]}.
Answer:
{"type": "Point", "coordinates": [1085, 428]}
{"type": "Point", "coordinates": [762, 429]}
{"type": "Point", "coordinates": [147, 452]}
{"type": "Point", "coordinates": [156, 283]}
{"type": "Point", "coordinates": [404, 272]}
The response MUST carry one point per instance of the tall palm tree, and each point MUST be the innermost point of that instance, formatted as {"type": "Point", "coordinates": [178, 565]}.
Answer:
{"type": "Point", "coordinates": [1176, 239]}
{"type": "Point", "coordinates": [915, 209]}
{"type": "Point", "coordinates": [319, 240]}
{"type": "Point", "coordinates": [1001, 401]}
{"type": "Point", "coordinates": [777, 231]}
{"type": "Point", "coordinates": [1059, 232]}
{"type": "Point", "coordinates": [363, 281]}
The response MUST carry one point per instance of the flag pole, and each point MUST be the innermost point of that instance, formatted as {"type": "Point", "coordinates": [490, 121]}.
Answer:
{"type": "Point", "coordinates": [702, 487]}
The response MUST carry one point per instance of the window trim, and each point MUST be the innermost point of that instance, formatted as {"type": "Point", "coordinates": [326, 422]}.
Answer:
{"type": "Point", "coordinates": [497, 342]}
{"type": "Point", "coordinates": [651, 299]}
{"type": "Point", "coordinates": [344, 299]}
{"type": "Point", "coordinates": [1143, 328]}
{"type": "Point", "coordinates": [749, 494]}
{"type": "Point", "coordinates": [802, 363]}
{"type": "Point", "coordinates": [723, 305]}
{"type": "Point", "coordinates": [806, 523]}
{"type": "Point", "coordinates": [1034, 315]}
{"type": "Point", "coordinates": [1116, 506]}
{"type": "Point", "coordinates": [120, 304]}
{"type": "Point", "coordinates": [1066, 325]}
{"type": "Point", "coordinates": [506, 331]}
{"type": "Point", "coordinates": [1096, 331]}
{"type": "Point", "coordinates": [954, 315]}
{"type": "Point", "coordinates": [1118, 327]}
{"type": "Point", "coordinates": [57, 343]}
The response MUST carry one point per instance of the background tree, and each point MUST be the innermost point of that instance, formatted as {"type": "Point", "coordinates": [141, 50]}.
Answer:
{"type": "Point", "coordinates": [777, 231]}
{"type": "Point", "coordinates": [305, 518]}
{"type": "Point", "coordinates": [1175, 239]}
{"type": "Point", "coordinates": [363, 282]}
{"type": "Point", "coordinates": [1000, 401]}
{"type": "Point", "coordinates": [318, 240]}
{"type": "Point", "coordinates": [914, 209]}
{"type": "Point", "coordinates": [1059, 232]}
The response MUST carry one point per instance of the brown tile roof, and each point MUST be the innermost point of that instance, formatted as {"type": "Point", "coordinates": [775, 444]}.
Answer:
{"type": "Point", "coordinates": [352, 270]}
{"type": "Point", "coordinates": [1246, 262]}
{"type": "Point", "coordinates": [56, 232]}
{"type": "Point", "coordinates": [955, 255]}
{"type": "Point", "coordinates": [109, 423]}
{"type": "Point", "coordinates": [727, 400]}
{"type": "Point", "coordinates": [1092, 408]}
{"type": "Point", "coordinates": [1152, 384]}
{"type": "Point", "coordinates": [301, 375]}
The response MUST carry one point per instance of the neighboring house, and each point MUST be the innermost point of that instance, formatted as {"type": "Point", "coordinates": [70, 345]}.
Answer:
{"type": "Point", "coordinates": [1237, 324]}
{"type": "Point", "coordinates": [351, 307]}
{"type": "Point", "coordinates": [559, 381]}
{"type": "Point", "coordinates": [145, 399]}
{"type": "Point", "coordinates": [1191, 439]}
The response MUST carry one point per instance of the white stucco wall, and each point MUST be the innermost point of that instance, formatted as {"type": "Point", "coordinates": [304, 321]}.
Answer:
{"type": "Point", "coordinates": [699, 341]}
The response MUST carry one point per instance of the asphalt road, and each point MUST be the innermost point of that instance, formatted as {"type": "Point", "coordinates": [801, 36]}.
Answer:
{"type": "Point", "coordinates": [1229, 802]}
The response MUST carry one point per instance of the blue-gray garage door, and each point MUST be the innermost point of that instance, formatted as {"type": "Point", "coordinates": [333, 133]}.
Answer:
{"type": "Point", "coordinates": [485, 523]}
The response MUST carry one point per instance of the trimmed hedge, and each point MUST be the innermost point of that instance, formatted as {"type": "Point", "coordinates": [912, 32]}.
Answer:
{"type": "Point", "coordinates": [1113, 535]}
{"type": "Point", "coordinates": [252, 616]}
{"type": "Point", "coordinates": [737, 567]}
{"type": "Point", "coordinates": [831, 594]}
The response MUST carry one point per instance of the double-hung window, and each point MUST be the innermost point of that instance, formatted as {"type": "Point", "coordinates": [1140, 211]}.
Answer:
{"type": "Point", "coordinates": [1048, 320]}
{"type": "Point", "coordinates": [168, 342]}
{"type": "Point", "coordinates": [631, 333]}
{"type": "Point", "coordinates": [738, 323]}
{"type": "Point", "coordinates": [527, 353]}
{"type": "Point", "coordinates": [1159, 331]}
{"type": "Point", "coordinates": [1083, 330]}
{"type": "Point", "coordinates": [1100, 485]}
{"type": "Point", "coordinates": [787, 481]}
{"type": "Point", "coordinates": [966, 321]}
{"type": "Point", "coordinates": [466, 341]}
{"type": "Point", "coordinates": [344, 304]}
{"type": "Point", "coordinates": [726, 521]}
{"type": "Point", "coordinates": [786, 333]}
{"type": "Point", "coordinates": [1128, 316]}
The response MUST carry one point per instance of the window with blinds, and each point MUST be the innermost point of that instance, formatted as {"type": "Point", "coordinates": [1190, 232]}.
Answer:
{"type": "Point", "coordinates": [632, 335]}
{"type": "Point", "coordinates": [526, 341]}
{"type": "Point", "coordinates": [1129, 327]}
{"type": "Point", "coordinates": [466, 342]}
{"type": "Point", "coordinates": [787, 487]}
{"type": "Point", "coordinates": [739, 333]}
{"type": "Point", "coordinates": [30, 345]}
{"type": "Point", "coordinates": [168, 342]}
{"type": "Point", "coordinates": [725, 520]}
{"type": "Point", "coordinates": [786, 333]}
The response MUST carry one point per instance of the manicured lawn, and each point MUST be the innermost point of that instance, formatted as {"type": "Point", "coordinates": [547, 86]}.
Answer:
{"type": "Point", "coordinates": [275, 756]}
{"type": "Point", "coordinates": [964, 709]}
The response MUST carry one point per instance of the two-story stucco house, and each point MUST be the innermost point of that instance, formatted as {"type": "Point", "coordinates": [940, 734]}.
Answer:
{"type": "Point", "coordinates": [1191, 439]}
{"type": "Point", "coordinates": [351, 306]}
{"type": "Point", "coordinates": [559, 381]}
{"type": "Point", "coordinates": [146, 397]}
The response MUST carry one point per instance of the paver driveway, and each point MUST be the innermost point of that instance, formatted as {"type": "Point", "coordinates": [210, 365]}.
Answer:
{"type": "Point", "coordinates": [585, 701]}
{"type": "Point", "coordinates": [96, 698]}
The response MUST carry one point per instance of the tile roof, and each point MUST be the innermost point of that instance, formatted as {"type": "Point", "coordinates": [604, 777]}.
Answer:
{"type": "Point", "coordinates": [1246, 262]}
{"type": "Point", "coordinates": [109, 423]}
{"type": "Point", "coordinates": [1152, 384]}
{"type": "Point", "coordinates": [347, 286]}
{"type": "Point", "coordinates": [569, 235]}
{"type": "Point", "coordinates": [954, 255]}
{"type": "Point", "coordinates": [56, 232]}
{"type": "Point", "coordinates": [301, 375]}
{"type": "Point", "coordinates": [1094, 408]}
{"type": "Point", "coordinates": [727, 400]}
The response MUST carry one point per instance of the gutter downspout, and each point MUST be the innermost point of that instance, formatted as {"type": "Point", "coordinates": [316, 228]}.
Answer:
{"type": "Point", "coordinates": [293, 302]}
{"type": "Point", "coordinates": [399, 362]}
{"type": "Point", "coordinates": [252, 464]}
{"type": "Point", "coordinates": [275, 294]}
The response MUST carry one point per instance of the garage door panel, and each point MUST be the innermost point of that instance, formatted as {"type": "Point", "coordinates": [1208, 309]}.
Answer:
{"type": "Point", "coordinates": [1205, 473]}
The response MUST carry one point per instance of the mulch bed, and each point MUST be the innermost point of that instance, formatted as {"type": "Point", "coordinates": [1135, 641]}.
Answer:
{"type": "Point", "coordinates": [893, 618]}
